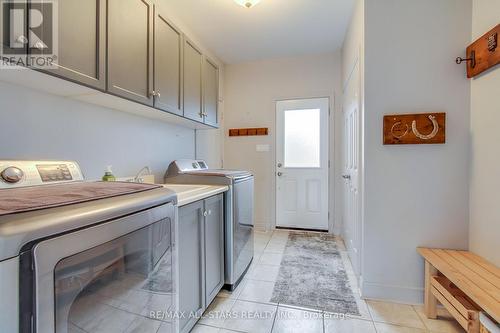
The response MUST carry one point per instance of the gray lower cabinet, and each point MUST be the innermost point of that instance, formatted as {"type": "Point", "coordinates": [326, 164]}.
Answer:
{"type": "Point", "coordinates": [211, 92]}
{"type": "Point", "coordinates": [192, 82]}
{"type": "Point", "coordinates": [168, 64]}
{"type": "Point", "coordinates": [201, 257]}
{"type": "Point", "coordinates": [130, 49]}
{"type": "Point", "coordinates": [82, 42]}
{"type": "Point", "coordinates": [191, 263]}
{"type": "Point", "coordinates": [214, 247]}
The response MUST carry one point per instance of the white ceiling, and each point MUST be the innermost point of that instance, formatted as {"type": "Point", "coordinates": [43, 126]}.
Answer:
{"type": "Point", "coordinates": [271, 29]}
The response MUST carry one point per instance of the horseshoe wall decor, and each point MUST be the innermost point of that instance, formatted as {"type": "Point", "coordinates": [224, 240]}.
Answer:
{"type": "Point", "coordinates": [426, 128]}
{"type": "Point", "coordinates": [435, 129]}
{"type": "Point", "coordinates": [399, 130]}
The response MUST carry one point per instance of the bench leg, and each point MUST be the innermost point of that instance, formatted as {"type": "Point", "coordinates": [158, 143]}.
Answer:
{"type": "Point", "coordinates": [430, 301]}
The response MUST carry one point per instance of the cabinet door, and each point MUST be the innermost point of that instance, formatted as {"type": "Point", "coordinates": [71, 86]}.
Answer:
{"type": "Point", "coordinates": [214, 247]}
{"type": "Point", "coordinates": [192, 82]}
{"type": "Point", "coordinates": [211, 92]}
{"type": "Point", "coordinates": [82, 42]}
{"type": "Point", "coordinates": [130, 49]}
{"type": "Point", "coordinates": [191, 263]}
{"type": "Point", "coordinates": [12, 45]}
{"type": "Point", "coordinates": [168, 61]}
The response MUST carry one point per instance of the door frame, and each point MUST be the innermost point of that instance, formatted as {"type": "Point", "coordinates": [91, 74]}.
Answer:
{"type": "Point", "coordinates": [332, 171]}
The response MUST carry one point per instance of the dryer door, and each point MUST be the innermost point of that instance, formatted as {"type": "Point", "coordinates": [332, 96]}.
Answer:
{"type": "Point", "coordinates": [114, 277]}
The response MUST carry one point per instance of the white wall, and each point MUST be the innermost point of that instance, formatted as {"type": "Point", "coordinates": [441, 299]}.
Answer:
{"type": "Point", "coordinates": [485, 136]}
{"type": "Point", "coordinates": [251, 92]}
{"type": "Point", "coordinates": [45, 126]}
{"type": "Point", "coordinates": [414, 195]}
{"type": "Point", "coordinates": [353, 47]}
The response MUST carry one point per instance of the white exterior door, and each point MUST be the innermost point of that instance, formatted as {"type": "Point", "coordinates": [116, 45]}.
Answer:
{"type": "Point", "coordinates": [352, 208]}
{"type": "Point", "coordinates": [302, 163]}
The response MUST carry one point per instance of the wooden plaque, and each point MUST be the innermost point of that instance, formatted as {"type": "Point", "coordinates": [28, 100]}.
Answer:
{"type": "Point", "coordinates": [424, 128]}
{"type": "Point", "coordinates": [485, 51]}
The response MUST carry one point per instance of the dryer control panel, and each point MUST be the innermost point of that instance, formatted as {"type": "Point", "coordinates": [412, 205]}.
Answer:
{"type": "Point", "coordinates": [32, 173]}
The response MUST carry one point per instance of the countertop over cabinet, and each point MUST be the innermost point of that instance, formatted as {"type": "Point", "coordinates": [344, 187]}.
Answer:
{"type": "Point", "coordinates": [187, 194]}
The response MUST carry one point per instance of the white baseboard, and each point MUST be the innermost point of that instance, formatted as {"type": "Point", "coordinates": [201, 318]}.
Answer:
{"type": "Point", "coordinates": [398, 294]}
{"type": "Point", "coordinates": [261, 226]}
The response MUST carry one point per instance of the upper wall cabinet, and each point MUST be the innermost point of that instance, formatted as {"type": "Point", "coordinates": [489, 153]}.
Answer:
{"type": "Point", "coordinates": [130, 49]}
{"type": "Point", "coordinates": [211, 92]}
{"type": "Point", "coordinates": [82, 42]}
{"type": "Point", "coordinates": [192, 82]}
{"type": "Point", "coordinates": [125, 48]}
{"type": "Point", "coordinates": [168, 64]}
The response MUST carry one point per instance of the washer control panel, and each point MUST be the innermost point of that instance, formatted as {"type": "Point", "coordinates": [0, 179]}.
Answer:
{"type": "Point", "coordinates": [190, 165]}
{"type": "Point", "coordinates": [32, 173]}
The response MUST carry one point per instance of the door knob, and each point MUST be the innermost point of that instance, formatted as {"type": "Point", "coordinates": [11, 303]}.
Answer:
{"type": "Point", "coordinates": [346, 176]}
{"type": "Point", "coordinates": [280, 174]}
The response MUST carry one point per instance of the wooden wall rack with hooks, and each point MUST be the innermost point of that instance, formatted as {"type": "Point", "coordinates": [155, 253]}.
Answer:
{"type": "Point", "coordinates": [483, 54]}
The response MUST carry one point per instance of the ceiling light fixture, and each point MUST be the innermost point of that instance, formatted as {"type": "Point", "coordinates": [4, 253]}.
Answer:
{"type": "Point", "coordinates": [247, 3]}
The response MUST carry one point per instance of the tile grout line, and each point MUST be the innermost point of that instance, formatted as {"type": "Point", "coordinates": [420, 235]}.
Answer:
{"type": "Point", "coordinates": [274, 319]}
{"type": "Point", "coordinates": [423, 322]}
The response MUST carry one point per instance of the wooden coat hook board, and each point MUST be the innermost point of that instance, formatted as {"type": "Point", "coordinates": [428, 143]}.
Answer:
{"type": "Point", "coordinates": [248, 131]}
{"type": "Point", "coordinates": [423, 128]}
{"type": "Point", "coordinates": [483, 54]}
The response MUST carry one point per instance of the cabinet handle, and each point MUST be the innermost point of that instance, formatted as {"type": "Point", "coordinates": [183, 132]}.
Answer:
{"type": "Point", "coordinates": [209, 212]}
{"type": "Point", "coordinates": [39, 45]}
{"type": "Point", "coordinates": [205, 213]}
{"type": "Point", "coordinates": [201, 114]}
{"type": "Point", "coordinates": [22, 39]}
{"type": "Point", "coordinates": [155, 93]}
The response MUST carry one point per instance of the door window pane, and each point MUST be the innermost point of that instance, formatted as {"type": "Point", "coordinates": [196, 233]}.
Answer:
{"type": "Point", "coordinates": [302, 138]}
{"type": "Point", "coordinates": [119, 286]}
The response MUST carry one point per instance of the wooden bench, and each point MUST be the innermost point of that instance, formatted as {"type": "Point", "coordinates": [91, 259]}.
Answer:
{"type": "Point", "coordinates": [464, 283]}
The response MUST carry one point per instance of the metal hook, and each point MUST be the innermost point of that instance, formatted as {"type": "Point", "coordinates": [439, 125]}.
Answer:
{"type": "Point", "coordinates": [472, 59]}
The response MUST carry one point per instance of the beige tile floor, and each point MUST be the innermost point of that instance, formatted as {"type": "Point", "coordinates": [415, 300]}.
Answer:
{"type": "Point", "coordinates": [248, 309]}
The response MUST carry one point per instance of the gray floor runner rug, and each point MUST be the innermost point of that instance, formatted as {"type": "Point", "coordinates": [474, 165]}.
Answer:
{"type": "Point", "coordinates": [312, 275]}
